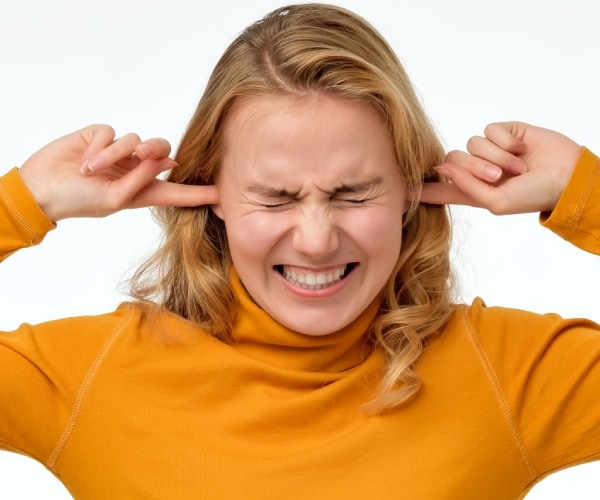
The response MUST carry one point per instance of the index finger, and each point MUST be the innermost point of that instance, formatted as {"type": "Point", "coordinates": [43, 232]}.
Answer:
{"type": "Point", "coordinates": [442, 193]}
{"type": "Point", "coordinates": [161, 193]}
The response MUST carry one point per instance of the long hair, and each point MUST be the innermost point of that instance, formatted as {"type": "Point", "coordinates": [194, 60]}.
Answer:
{"type": "Point", "coordinates": [294, 51]}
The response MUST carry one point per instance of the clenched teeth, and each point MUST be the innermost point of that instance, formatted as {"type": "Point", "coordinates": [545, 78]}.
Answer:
{"type": "Point", "coordinates": [315, 281]}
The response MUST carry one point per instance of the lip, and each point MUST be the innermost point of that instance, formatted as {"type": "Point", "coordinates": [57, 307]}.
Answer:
{"type": "Point", "coordinates": [320, 293]}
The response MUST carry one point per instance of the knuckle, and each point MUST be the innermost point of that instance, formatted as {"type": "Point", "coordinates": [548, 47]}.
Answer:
{"type": "Point", "coordinates": [108, 129]}
{"type": "Point", "coordinates": [101, 127]}
{"type": "Point", "coordinates": [132, 138]}
{"type": "Point", "coordinates": [474, 142]}
{"type": "Point", "coordinates": [452, 156]}
{"type": "Point", "coordinates": [136, 138]}
{"type": "Point", "coordinates": [490, 128]}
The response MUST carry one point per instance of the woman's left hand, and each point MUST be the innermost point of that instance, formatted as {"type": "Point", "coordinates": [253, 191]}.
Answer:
{"type": "Point", "coordinates": [513, 168]}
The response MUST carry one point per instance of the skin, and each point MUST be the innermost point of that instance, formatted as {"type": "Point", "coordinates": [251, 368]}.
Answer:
{"type": "Point", "coordinates": [90, 173]}
{"type": "Point", "coordinates": [310, 185]}
{"type": "Point", "coordinates": [313, 146]}
{"type": "Point", "coordinates": [513, 168]}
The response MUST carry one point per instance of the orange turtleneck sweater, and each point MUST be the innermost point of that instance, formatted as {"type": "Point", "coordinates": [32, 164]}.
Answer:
{"type": "Point", "coordinates": [118, 406]}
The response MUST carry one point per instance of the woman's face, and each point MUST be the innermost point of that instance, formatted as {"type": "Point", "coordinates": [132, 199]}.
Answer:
{"type": "Point", "coordinates": [312, 200]}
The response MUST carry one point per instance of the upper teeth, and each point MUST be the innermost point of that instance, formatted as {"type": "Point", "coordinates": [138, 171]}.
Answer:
{"type": "Point", "coordinates": [314, 281]}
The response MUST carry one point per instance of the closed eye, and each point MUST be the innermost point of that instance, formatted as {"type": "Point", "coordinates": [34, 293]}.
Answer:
{"type": "Point", "coordinates": [352, 201]}
{"type": "Point", "coordinates": [275, 205]}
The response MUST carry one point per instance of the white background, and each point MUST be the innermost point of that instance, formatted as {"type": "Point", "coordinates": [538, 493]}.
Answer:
{"type": "Point", "coordinates": [141, 66]}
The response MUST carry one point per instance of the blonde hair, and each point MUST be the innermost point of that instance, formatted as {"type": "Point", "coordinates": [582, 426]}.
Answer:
{"type": "Point", "coordinates": [292, 51]}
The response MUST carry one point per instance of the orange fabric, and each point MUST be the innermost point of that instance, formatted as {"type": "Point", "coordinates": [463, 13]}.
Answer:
{"type": "Point", "coordinates": [22, 222]}
{"type": "Point", "coordinates": [577, 215]}
{"type": "Point", "coordinates": [118, 406]}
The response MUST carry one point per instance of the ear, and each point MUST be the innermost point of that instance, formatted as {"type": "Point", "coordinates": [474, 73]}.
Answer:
{"type": "Point", "coordinates": [218, 211]}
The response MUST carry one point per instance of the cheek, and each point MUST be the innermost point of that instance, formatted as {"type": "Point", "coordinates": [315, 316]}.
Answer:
{"type": "Point", "coordinates": [252, 236]}
{"type": "Point", "coordinates": [377, 232]}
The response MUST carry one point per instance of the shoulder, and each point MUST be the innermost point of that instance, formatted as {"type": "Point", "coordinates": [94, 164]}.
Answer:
{"type": "Point", "coordinates": [131, 322]}
{"type": "Point", "coordinates": [490, 324]}
{"type": "Point", "coordinates": [91, 329]}
{"type": "Point", "coordinates": [75, 341]}
{"type": "Point", "coordinates": [510, 329]}
{"type": "Point", "coordinates": [515, 344]}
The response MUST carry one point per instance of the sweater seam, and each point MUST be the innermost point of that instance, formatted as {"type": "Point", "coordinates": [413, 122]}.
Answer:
{"type": "Point", "coordinates": [500, 397]}
{"type": "Point", "coordinates": [32, 234]}
{"type": "Point", "coordinates": [84, 390]}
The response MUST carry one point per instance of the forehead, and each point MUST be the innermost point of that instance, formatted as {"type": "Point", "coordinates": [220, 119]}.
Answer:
{"type": "Point", "coordinates": [288, 114]}
{"type": "Point", "coordinates": [317, 133]}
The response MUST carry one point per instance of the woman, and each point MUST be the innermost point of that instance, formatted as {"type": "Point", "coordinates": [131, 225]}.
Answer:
{"type": "Point", "coordinates": [295, 336]}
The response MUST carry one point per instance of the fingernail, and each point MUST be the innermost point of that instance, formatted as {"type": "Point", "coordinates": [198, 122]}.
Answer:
{"type": "Point", "coordinates": [91, 165]}
{"type": "Point", "coordinates": [492, 172]}
{"type": "Point", "coordinates": [145, 148]}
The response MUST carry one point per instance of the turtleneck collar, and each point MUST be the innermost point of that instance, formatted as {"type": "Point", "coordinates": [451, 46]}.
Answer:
{"type": "Point", "coordinates": [258, 335]}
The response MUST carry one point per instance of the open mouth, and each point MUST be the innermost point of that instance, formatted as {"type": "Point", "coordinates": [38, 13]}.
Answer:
{"type": "Point", "coordinates": [315, 280]}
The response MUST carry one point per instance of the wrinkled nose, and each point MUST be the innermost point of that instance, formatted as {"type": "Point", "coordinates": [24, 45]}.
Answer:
{"type": "Point", "coordinates": [315, 234]}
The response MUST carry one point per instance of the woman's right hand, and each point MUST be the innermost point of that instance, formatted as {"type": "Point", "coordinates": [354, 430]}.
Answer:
{"type": "Point", "coordinates": [89, 173]}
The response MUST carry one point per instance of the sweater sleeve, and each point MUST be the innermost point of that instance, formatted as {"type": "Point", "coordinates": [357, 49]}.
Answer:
{"type": "Point", "coordinates": [22, 222]}
{"type": "Point", "coordinates": [548, 368]}
{"type": "Point", "coordinates": [576, 217]}
{"type": "Point", "coordinates": [45, 370]}
{"type": "Point", "coordinates": [42, 367]}
{"type": "Point", "coordinates": [546, 372]}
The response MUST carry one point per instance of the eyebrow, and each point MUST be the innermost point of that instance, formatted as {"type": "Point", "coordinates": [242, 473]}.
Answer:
{"type": "Point", "coordinates": [271, 192]}
{"type": "Point", "coordinates": [359, 187]}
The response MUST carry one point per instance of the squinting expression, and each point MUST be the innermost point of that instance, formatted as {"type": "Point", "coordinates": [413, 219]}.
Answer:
{"type": "Point", "coordinates": [312, 200]}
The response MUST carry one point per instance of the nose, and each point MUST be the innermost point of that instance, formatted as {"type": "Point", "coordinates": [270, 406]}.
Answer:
{"type": "Point", "coordinates": [315, 233]}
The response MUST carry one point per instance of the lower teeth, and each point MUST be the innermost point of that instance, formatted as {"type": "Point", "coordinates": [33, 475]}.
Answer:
{"type": "Point", "coordinates": [314, 287]}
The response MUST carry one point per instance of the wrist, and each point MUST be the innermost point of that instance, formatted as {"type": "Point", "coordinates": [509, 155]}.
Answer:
{"type": "Point", "coordinates": [37, 191]}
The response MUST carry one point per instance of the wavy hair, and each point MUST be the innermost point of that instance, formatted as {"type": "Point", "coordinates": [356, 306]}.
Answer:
{"type": "Point", "coordinates": [293, 51]}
